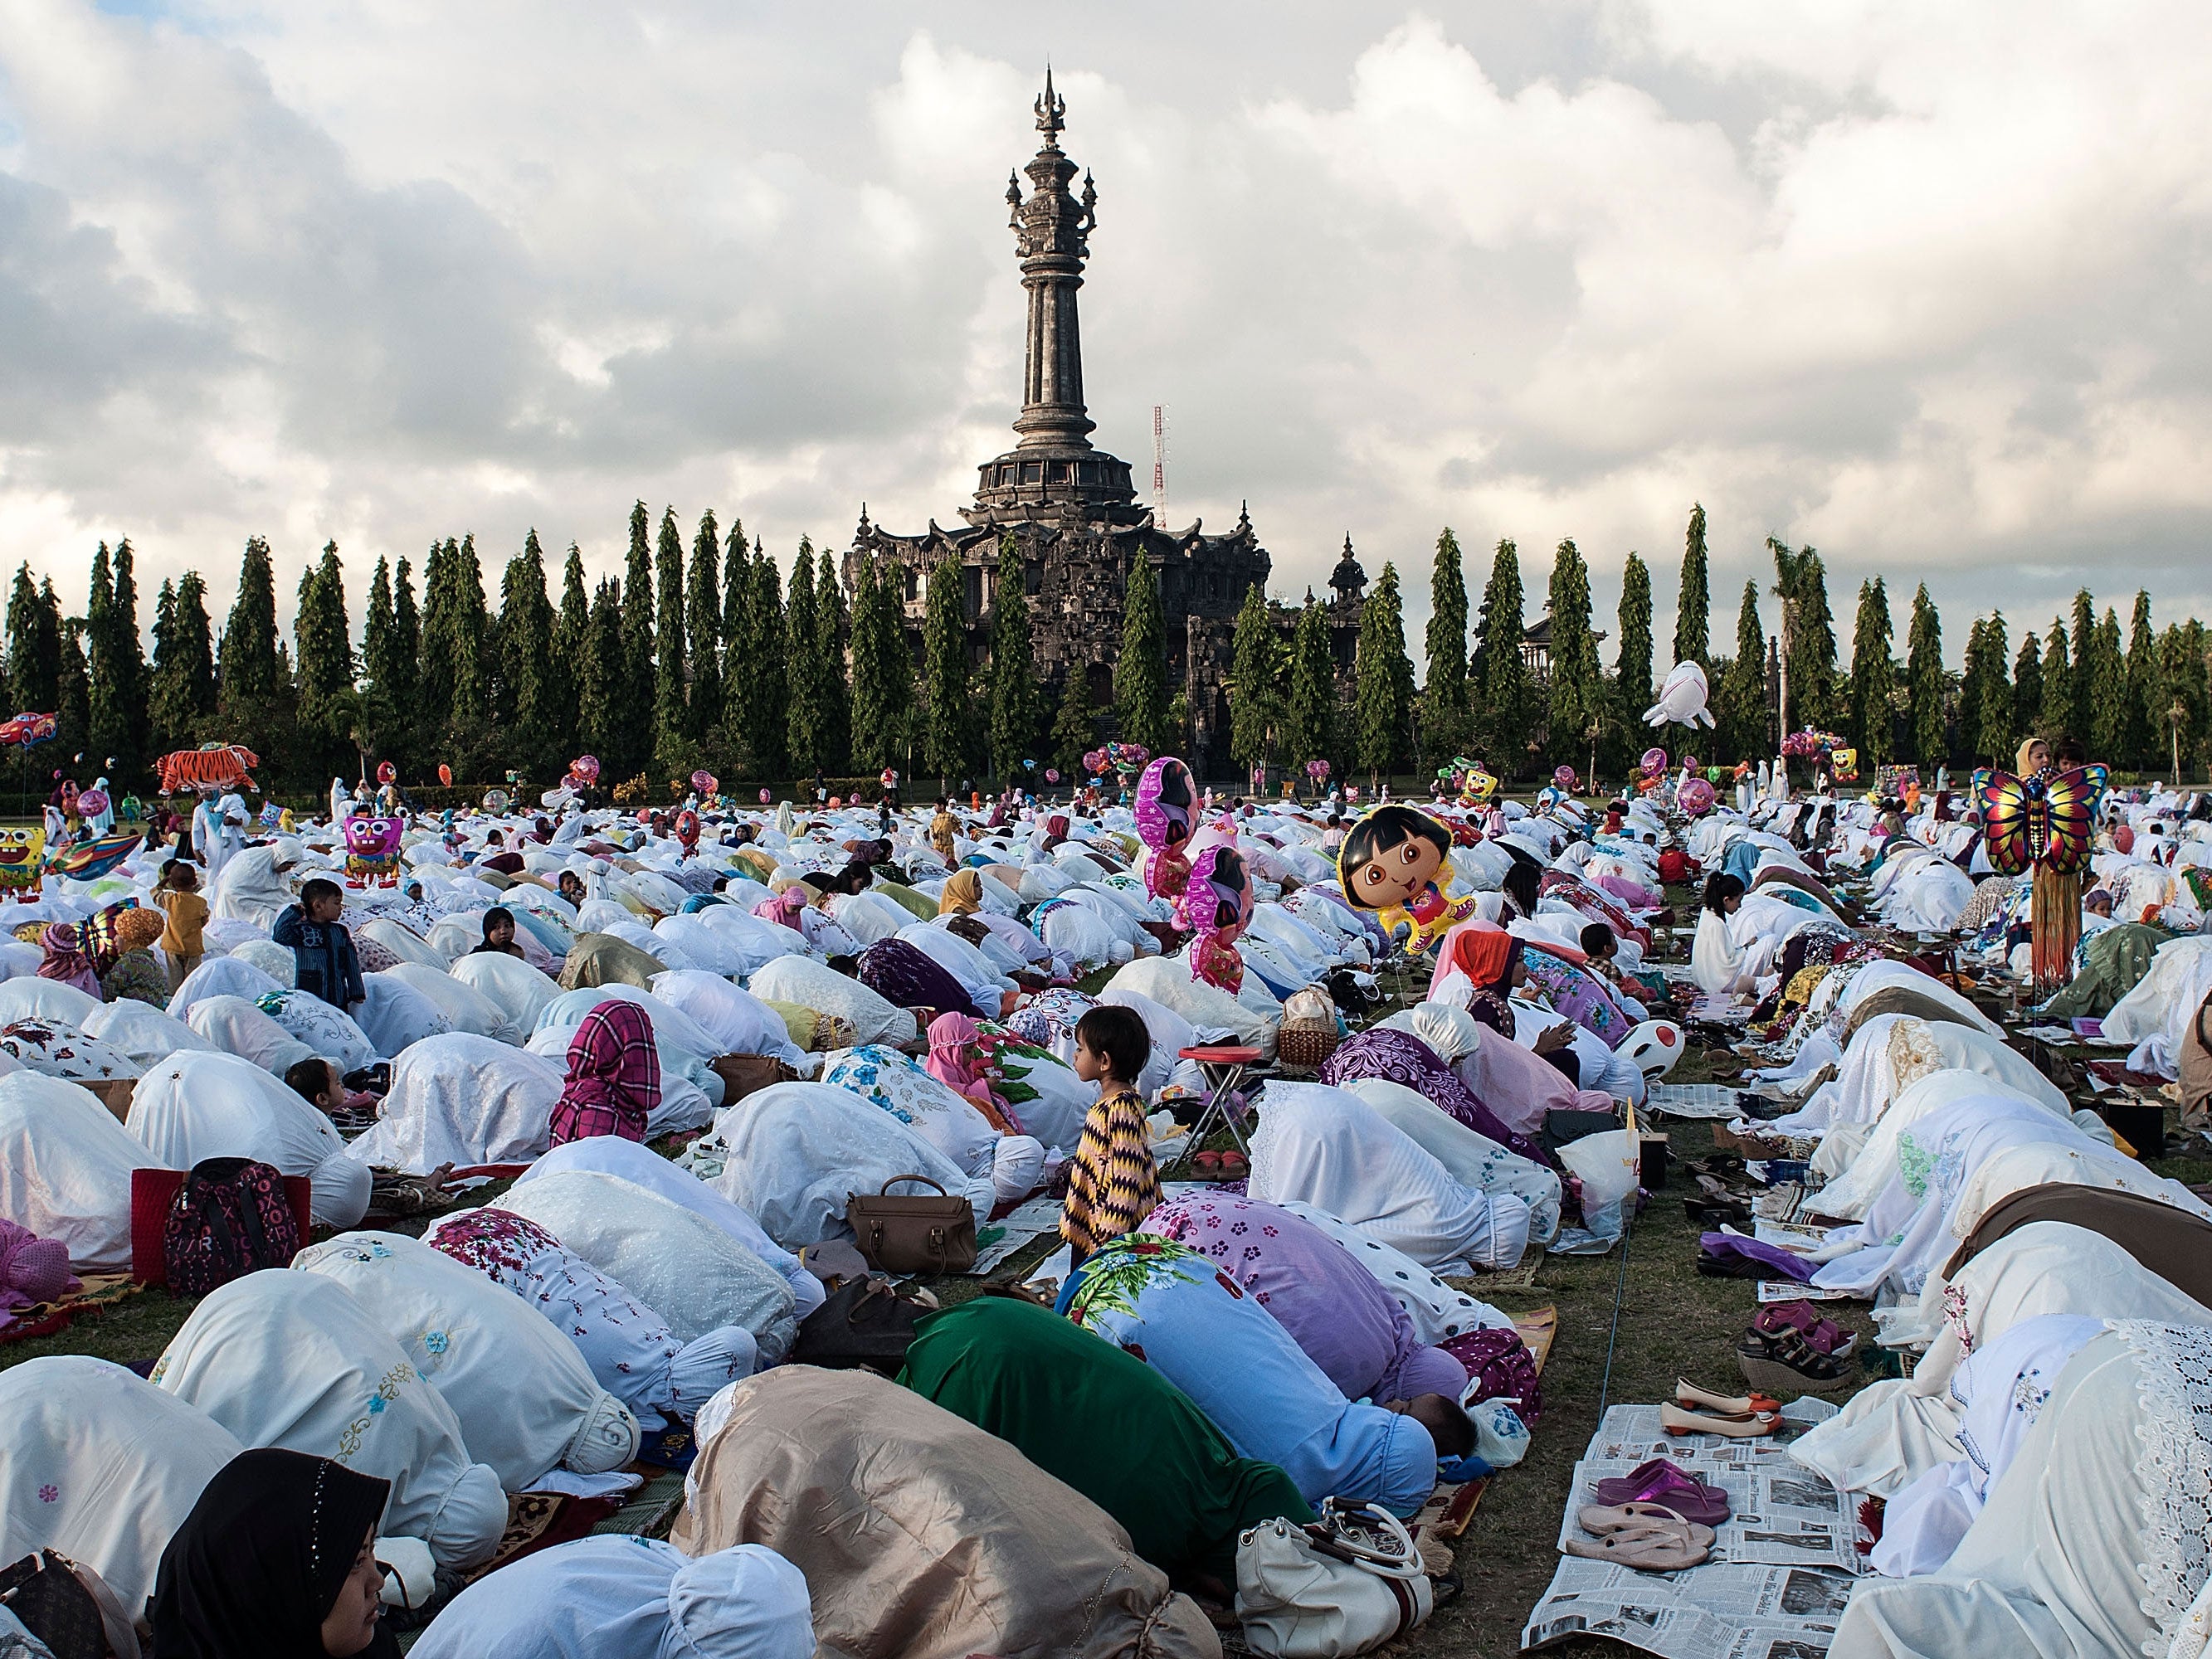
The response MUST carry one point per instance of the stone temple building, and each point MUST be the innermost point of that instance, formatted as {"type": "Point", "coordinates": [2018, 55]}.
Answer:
{"type": "Point", "coordinates": [1072, 509]}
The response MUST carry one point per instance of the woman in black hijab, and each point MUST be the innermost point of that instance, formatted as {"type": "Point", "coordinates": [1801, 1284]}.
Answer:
{"type": "Point", "coordinates": [278, 1559]}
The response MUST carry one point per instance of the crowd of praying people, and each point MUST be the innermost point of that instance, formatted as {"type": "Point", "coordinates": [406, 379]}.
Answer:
{"type": "Point", "coordinates": [675, 1056]}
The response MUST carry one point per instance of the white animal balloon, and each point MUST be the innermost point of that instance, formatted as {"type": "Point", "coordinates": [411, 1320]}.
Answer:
{"type": "Point", "coordinates": [1682, 699]}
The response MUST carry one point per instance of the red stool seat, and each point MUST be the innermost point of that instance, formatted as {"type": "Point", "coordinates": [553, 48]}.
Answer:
{"type": "Point", "coordinates": [1221, 1053]}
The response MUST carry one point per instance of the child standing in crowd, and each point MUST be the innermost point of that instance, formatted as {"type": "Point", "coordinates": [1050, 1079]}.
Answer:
{"type": "Point", "coordinates": [942, 829]}
{"type": "Point", "coordinates": [187, 913]}
{"type": "Point", "coordinates": [1112, 1181]}
{"type": "Point", "coordinates": [322, 946]}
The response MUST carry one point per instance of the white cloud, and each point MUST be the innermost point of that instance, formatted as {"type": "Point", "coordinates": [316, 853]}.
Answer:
{"type": "Point", "coordinates": [1925, 289]}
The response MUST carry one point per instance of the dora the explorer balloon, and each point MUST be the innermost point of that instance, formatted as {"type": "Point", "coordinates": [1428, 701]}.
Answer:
{"type": "Point", "coordinates": [1395, 863]}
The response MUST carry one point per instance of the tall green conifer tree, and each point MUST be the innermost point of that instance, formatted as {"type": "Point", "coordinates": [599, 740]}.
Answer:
{"type": "Point", "coordinates": [832, 628]}
{"type": "Point", "coordinates": [1577, 694]}
{"type": "Point", "coordinates": [1923, 678]}
{"type": "Point", "coordinates": [944, 671]}
{"type": "Point", "coordinates": [672, 710]}
{"type": "Point", "coordinates": [2056, 718]}
{"type": "Point", "coordinates": [703, 625]}
{"type": "Point", "coordinates": [1741, 699]}
{"type": "Point", "coordinates": [1383, 695]}
{"type": "Point", "coordinates": [1874, 676]}
{"type": "Point", "coordinates": [1503, 673]}
{"type": "Point", "coordinates": [1632, 668]}
{"type": "Point", "coordinates": [640, 697]}
{"type": "Point", "coordinates": [808, 751]}
{"type": "Point", "coordinates": [1310, 708]}
{"type": "Point", "coordinates": [1446, 713]}
{"type": "Point", "coordinates": [1692, 606]}
{"type": "Point", "coordinates": [1254, 696]}
{"type": "Point", "coordinates": [1140, 678]}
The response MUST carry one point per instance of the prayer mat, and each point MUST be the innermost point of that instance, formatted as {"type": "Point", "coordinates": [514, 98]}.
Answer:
{"type": "Point", "coordinates": [649, 1513]}
{"type": "Point", "coordinates": [43, 1318]}
{"type": "Point", "coordinates": [1504, 1281]}
{"type": "Point", "coordinates": [671, 1448]}
{"type": "Point", "coordinates": [539, 1520]}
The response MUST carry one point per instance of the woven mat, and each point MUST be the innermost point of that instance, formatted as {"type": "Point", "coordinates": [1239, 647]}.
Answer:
{"type": "Point", "coordinates": [44, 1318]}
{"type": "Point", "coordinates": [1450, 1509]}
{"type": "Point", "coordinates": [539, 1520]}
{"type": "Point", "coordinates": [1504, 1281]}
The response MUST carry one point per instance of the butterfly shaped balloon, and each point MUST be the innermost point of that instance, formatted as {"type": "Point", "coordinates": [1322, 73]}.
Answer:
{"type": "Point", "coordinates": [2046, 821]}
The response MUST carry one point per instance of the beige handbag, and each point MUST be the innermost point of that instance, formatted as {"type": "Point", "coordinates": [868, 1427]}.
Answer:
{"type": "Point", "coordinates": [913, 1232]}
{"type": "Point", "coordinates": [1345, 1585]}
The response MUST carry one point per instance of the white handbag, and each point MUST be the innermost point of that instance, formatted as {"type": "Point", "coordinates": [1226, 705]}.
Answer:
{"type": "Point", "coordinates": [1345, 1585]}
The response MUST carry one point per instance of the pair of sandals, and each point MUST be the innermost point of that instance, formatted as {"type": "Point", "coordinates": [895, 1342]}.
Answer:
{"type": "Point", "coordinates": [1662, 1482]}
{"type": "Point", "coordinates": [1717, 1206]}
{"type": "Point", "coordinates": [1694, 1410]}
{"type": "Point", "coordinates": [1648, 1537]}
{"type": "Point", "coordinates": [1220, 1166]}
{"type": "Point", "coordinates": [1785, 1358]}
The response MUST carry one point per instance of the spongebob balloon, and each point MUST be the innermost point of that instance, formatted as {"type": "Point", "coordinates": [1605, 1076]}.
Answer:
{"type": "Point", "coordinates": [1396, 862]}
{"type": "Point", "coordinates": [23, 861]}
{"type": "Point", "coordinates": [373, 851]}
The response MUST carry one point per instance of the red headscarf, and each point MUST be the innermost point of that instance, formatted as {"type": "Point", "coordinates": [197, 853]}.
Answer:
{"type": "Point", "coordinates": [1484, 952]}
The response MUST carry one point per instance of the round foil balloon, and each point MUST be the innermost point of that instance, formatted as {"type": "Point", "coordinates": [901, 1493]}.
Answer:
{"type": "Point", "coordinates": [767, 796]}
{"type": "Point", "coordinates": [1655, 760]}
{"type": "Point", "coordinates": [444, 774]}
{"type": "Point", "coordinates": [496, 800]}
{"type": "Point", "coordinates": [386, 772]}
{"type": "Point", "coordinates": [91, 802]}
{"type": "Point", "coordinates": [1696, 798]}
{"type": "Point", "coordinates": [585, 767]}
{"type": "Point", "coordinates": [1564, 776]}
{"type": "Point", "coordinates": [1052, 774]}
{"type": "Point", "coordinates": [705, 781]}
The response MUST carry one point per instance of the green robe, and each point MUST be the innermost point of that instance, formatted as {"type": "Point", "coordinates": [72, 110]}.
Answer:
{"type": "Point", "coordinates": [1105, 1423]}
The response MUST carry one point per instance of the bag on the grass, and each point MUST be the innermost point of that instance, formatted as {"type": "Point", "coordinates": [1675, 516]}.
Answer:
{"type": "Point", "coordinates": [864, 1323]}
{"type": "Point", "coordinates": [229, 1219]}
{"type": "Point", "coordinates": [1343, 1585]}
{"type": "Point", "coordinates": [913, 1232]}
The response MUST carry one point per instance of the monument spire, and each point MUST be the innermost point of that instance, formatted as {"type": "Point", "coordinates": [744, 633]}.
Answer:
{"type": "Point", "coordinates": [1052, 234]}
{"type": "Point", "coordinates": [1052, 469]}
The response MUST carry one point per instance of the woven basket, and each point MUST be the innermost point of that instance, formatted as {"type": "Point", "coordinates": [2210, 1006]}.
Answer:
{"type": "Point", "coordinates": [1305, 1046]}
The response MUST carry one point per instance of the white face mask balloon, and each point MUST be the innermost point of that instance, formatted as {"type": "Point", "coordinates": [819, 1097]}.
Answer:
{"type": "Point", "coordinates": [1681, 699]}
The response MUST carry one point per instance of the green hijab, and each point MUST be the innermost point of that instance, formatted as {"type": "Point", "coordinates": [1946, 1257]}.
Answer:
{"type": "Point", "coordinates": [907, 898]}
{"type": "Point", "coordinates": [2113, 962]}
{"type": "Point", "coordinates": [1106, 1423]}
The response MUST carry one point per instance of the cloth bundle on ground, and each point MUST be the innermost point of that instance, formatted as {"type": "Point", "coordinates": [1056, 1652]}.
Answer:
{"type": "Point", "coordinates": [461, 1099]}
{"type": "Point", "coordinates": [1106, 1423]}
{"type": "Point", "coordinates": [872, 1491]}
{"type": "Point", "coordinates": [1891, 1433]}
{"type": "Point", "coordinates": [1330, 1148]}
{"type": "Point", "coordinates": [628, 1347]}
{"type": "Point", "coordinates": [1317, 1291]}
{"type": "Point", "coordinates": [65, 1051]}
{"type": "Point", "coordinates": [392, 1013]}
{"type": "Point", "coordinates": [629, 1598]}
{"type": "Point", "coordinates": [611, 1155]}
{"type": "Point", "coordinates": [326, 1031]}
{"type": "Point", "coordinates": [1401, 1057]}
{"type": "Point", "coordinates": [904, 1089]}
{"type": "Point", "coordinates": [233, 1025]}
{"type": "Point", "coordinates": [524, 1398]}
{"type": "Point", "coordinates": [683, 1266]}
{"type": "Point", "coordinates": [101, 1466]}
{"type": "Point", "coordinates": [2093, 1542]}
{"type": "Point", "coordinates": [1168, 981]}
{"type": "Point", "coordinates": [598, 959]}
{"type": "Point", "coordinates": [737, 1021]}
{"type": "Point", "coordinates": [459, 1003]}
{"type": "Point", "coordinates": [291, 1360]}
{"type": "Point", "coordinates": [1474, 1160]}
{"type": "Point", "coordinates": [65, 1168]}
{"type": "Point", "coordinates": [145, 1034]}
{"type": "Point", "coordinates": [1196, 1327]}
{"type": "Point", "coordinates": [798, 1152]}
{"type": "Point", "coordinates": [510, 985]}
{"type": "Point", "coordinates": [195, 1106]}
{"type": "Point", "coordinates": [810, 984]}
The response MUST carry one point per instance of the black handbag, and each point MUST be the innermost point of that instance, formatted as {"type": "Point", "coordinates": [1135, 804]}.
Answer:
{"type": "Point", "coordinates": [864, 1323]}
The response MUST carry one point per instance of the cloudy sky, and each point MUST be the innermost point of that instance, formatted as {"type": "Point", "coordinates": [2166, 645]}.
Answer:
{"type": "Point", "coordinates": [1924, 287]}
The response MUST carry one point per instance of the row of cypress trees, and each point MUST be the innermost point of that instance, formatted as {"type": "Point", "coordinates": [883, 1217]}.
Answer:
{"type": "Point", "coordinates": [2138, 706]}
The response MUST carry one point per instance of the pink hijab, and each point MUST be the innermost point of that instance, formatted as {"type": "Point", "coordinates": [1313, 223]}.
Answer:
{"type": "Point", "coordinates": [952, 1038]}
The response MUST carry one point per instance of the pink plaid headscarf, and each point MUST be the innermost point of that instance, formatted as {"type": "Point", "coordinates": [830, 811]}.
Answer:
{"type": "Point", "coordinates": [614, 1076]}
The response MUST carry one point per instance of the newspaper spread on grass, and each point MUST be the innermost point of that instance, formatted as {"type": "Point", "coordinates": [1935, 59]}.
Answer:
{"type": "Point", "coordinates": [1781, 1569]}
{"type": "Point", "coordinates": [1693, 1100]}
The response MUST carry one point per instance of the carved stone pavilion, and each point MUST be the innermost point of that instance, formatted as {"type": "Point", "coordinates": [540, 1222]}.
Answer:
{"type": "Point", "coordinates": [1073, 511]}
